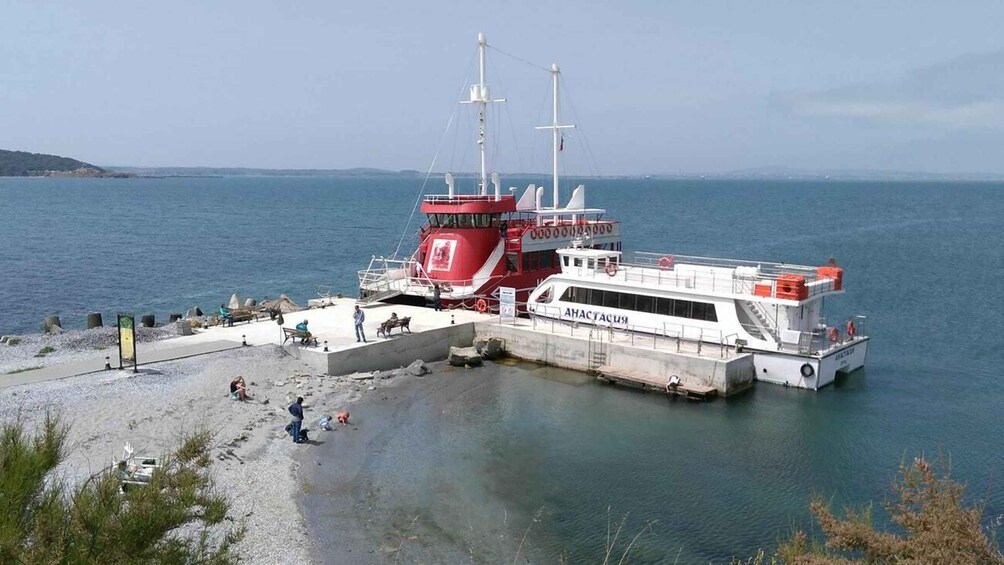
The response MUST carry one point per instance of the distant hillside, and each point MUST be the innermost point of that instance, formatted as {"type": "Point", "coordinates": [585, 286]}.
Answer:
{"type": "Point", "coordinates": [249, 172]}
{"type": "Point", "coordinates": [24, 164]}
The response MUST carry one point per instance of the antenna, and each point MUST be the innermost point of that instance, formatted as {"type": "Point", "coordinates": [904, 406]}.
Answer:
{"type": "Point", "coordinates": [554, 127]}
{"type": "Point", "coordinates": [481, 96]}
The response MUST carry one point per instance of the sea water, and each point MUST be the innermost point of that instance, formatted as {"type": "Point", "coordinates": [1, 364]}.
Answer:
{"type": "Point", "coordinates": [923, 261]}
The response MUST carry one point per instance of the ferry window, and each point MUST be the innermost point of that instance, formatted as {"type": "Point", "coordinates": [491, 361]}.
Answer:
{"type": "Point", "coordinates": [596, 297]}
{"type": "Point", "coordinates": [645, 303]}
{"type": "Point", "coordinates": [433, 220]}
{"type": "Point", "coordinates": [681, 309]}
{"type": "Point", "coordinates": [591, 264]}
{"type": "Point", "coordinates": [611, 299]}
{"type": "Point", "coordinates": [566, 261]}
{"type": "Point", "coordinates": [464, 220]}
{"type": "Point", "coordinates": [526, 261]}
{"type": "Point", "coordinates": [664, 306]}
{"type": "Point", "coordinates": [578, 261]}
{"type": "Point", "coordinates": [710, 315]}
{"type": "Point", "coordinates": [546, 259]}
{"type": "Point", "coordinates": [628, 301]}
{"type": "Point", "coordinates": [698, 310]}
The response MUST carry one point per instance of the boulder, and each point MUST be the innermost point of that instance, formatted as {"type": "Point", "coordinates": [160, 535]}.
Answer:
{"type": "Point", "coordinates": [250, 303]}
{"type": "Point", "coordinates": [51, 325]}
{"type": "Point", "coordinates": [488, 347]}
{"type": "Point", "coordinates": [235, 301]}
{"type": "Point", "coordinates": [417, 368]}
{"type": "Point", "coordinates": [461, 356]}
{"type": "Point", "coordinates": [192, 312]}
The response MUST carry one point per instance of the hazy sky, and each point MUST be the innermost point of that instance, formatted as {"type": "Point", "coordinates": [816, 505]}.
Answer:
{"type": "Point", "coordinates": [657, 86]}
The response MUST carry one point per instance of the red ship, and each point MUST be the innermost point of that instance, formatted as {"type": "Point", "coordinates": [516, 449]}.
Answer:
{"type": "Point", "coordinates": [472, 244]}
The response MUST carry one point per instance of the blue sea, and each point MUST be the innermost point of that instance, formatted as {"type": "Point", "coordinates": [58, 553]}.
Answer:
{"type": "Point", "coordinates": [923, 261]}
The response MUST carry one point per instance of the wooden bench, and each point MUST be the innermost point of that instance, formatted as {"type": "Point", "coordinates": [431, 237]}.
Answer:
{"type": "Point", "coordinates": [386, 327]}
{"type": "Point", "coordinates": [295, 334]}
{"type": "Point", "coordinates": [239, 315]}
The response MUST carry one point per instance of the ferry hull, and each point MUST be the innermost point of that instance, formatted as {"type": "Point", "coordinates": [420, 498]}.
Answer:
{"type": "Point", "coordinates": [789, 369]}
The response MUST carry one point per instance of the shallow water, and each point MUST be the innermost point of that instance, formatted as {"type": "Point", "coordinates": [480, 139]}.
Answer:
{"type": "Point", "coordinates": [923, 262]}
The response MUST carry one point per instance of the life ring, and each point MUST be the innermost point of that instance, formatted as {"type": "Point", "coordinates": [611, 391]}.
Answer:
{"type": "Point", "coordinates": [481, 305]}
{"type": "Point", "coordinates": [611, 269]}
{"type": "Point", "coordinates": [666, 263]}
{"type": "Point", "coordinates": [564, 232]}
{"type": "Point", "coordinates": [533, 233]}
{"type": "Point", "coordinates": [834, 335]}
{"type": "Point", "coordinates": [807, 370]}
{"type": "Point", "coordinates": [851, 330]}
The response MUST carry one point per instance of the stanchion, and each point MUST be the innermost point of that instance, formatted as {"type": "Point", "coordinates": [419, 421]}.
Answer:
{"type": "Point", "coordinates": [325, 346]}
{"type": "Point", "coordinates": [108, 363]}
{"type": "Point", "coordinates": [244, 340]}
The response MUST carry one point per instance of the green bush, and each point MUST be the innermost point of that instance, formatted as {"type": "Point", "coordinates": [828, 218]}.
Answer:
{"type": "Point", "coordinates": [176, 519]}
{"type": "Point", "coordinates": [45, 351]}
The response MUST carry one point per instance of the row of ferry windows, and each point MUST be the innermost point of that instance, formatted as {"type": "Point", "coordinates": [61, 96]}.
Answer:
{"type": "Point", "coordinates": [533, 260]}
{"type": "Point", "coordinates": [641, 303]}
{"type": "Point", "coordinates": [465, 220]}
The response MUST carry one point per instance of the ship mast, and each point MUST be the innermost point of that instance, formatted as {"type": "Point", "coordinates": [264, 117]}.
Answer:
{"type": "Point", "coordinates": [481, 96]}
{"type": "Point", "coordinates": [555, 136]}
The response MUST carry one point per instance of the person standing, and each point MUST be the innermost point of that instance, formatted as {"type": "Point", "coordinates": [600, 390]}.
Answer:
{"type": "Point", "coordinates": [437, 303]}
{"type": "Point", "coordinates": [296, 410]}
{"type": "Point", "coordinates": [358, 317]}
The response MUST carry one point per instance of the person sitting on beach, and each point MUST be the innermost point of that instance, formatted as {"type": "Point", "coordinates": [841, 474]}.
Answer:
{"type": "Point", "coordinates": [226, 316]}
{"type": "Point", "coordinates": [304, 333]}
{"type": "Point", "coordinates": [239, 390]}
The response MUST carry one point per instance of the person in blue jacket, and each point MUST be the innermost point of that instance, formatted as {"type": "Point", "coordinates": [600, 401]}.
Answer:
{"type": "Point", "coordinates": [226, 316]}
{"type": "Point", "coordinates": [304, 332]}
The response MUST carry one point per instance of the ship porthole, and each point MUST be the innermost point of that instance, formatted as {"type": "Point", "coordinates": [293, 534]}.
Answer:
{"type": "Point", "coordinates": [807, 370]}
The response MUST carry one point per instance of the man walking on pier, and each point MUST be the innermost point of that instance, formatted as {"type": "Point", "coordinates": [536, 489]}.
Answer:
{"type": "Point", "coordinates": [437, 301]}
{"type": "Point", "coordinates": [358, 317]}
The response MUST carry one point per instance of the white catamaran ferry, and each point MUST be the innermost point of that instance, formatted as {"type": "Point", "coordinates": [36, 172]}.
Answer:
{"type": "Point", "coordinates": [772, 310]}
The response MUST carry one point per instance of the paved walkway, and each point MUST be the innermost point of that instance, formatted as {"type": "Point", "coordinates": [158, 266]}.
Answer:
{"type": "Point", "coordinates": [96, 364]}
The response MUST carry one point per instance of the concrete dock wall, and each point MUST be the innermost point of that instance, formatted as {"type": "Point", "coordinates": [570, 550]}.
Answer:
{"type": "Point", "coordinates": [381, 354]}
{"type": "Point", "coordinates": [727, 376]}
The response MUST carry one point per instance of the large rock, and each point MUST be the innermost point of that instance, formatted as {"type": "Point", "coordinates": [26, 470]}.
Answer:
{"type": "Point", "coordinates": [417, 368]}
{"type": "Point", "coordinates": [250, 303]}
{"type": "Point", "coordinates": [460, 356]}
{"type": "Point", "coordinates": [488, 347]}
{"type": "Point", "coordinates": [235, 301]}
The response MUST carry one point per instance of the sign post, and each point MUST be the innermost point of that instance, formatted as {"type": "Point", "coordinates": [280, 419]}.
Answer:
{"type": "Point", "coordinates": [507, 303]}
{"type": "Point", "coordinates": [127, 341]}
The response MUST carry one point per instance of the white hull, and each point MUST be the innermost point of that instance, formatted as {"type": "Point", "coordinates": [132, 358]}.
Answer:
{"type": "Point", "coordinates": [787, 368]}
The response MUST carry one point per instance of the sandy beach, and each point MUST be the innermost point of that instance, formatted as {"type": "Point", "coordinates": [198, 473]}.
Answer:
{"type": "Point", "coordinates": [255, 461]}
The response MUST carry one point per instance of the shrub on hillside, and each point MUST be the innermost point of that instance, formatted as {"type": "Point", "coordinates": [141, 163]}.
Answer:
{"type": "Point", "coordinates": [176, 519]}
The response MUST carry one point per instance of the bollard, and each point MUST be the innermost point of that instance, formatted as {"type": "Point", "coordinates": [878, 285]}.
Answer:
{"type": "Point", "coordinates": [325, 346]}
{"type": "Point", "coordinates": [108, 363]}
{"type": "Point", "coordinates": [244, 340]}
{"type": "Point", "coordinates": [451, 320]}
{"type": "Point", "coordinates": [51, 324]}
{"type": "Point", "coordinates": [173, 317]}
{"type": "Point", "coordinates": [94, 320]}
{"type": "Point", "coordinates": [147, 320]}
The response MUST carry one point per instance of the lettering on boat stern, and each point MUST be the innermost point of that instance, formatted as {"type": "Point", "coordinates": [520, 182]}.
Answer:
{"type": "Point", "coordinates": [843, 355]}
{"type": "Point", "coordinates": [596, 316]}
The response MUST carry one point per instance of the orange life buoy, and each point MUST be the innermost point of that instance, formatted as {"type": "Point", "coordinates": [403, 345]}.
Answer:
{"type": "Point", "coordinates": [666, 263]}
{"type": "Point", "coordinates": [851, 330]}
{"type": "Point", "coordinates": [834, 335]}
{"type": "Point", "coordinates": [611, 269]}
{"type": "Point", "coordinates": [481, 305]}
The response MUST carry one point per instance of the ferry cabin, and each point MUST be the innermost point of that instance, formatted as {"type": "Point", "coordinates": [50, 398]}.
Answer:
{"type": "Point", "coordinates": [773, 310]}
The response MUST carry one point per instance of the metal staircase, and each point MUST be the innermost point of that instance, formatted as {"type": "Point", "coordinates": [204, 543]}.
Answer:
{"type": "Point", "coordinates": [763, 318]}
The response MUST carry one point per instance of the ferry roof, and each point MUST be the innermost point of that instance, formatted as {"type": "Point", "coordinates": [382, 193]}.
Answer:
{"type": "Point", "coordinates": [468, 204]}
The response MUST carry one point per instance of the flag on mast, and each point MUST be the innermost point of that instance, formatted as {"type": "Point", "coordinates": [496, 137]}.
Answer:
{"type": "Point", "coordinates": [561, 147]}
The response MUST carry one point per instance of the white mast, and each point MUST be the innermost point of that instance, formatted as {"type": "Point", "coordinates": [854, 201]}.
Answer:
{"type": "Point", "coordinates": [555, 136]}
{"type": "Point", "coordinates": [481, 96]}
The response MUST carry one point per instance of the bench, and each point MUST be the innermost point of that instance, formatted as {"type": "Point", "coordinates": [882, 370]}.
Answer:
{"type": "Point", "coordinates": [239, 315]}
{"type": "Point", "coordinates": [295, 334]}
{"type": "Point", "coordinates": [386, 327]}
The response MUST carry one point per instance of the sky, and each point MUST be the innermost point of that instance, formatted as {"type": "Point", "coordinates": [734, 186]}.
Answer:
{"type": "Point", "coordinates": [653, 87]}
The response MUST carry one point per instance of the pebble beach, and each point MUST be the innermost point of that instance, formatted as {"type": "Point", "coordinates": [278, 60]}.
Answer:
{"type": "Point", "coordinates": [255, 462]}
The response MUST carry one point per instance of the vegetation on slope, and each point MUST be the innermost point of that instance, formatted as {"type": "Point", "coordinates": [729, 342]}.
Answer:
{"type": "Point", "coordinates": [24, 164]}
{"type": "Point", "coordinates": [176, 519]}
